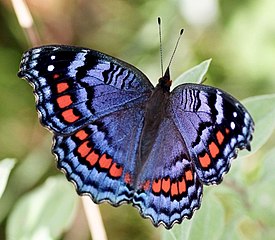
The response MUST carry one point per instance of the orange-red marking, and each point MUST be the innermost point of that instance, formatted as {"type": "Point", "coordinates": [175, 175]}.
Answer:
{"type": "Point", "coordinates": [227, 130]}
{"type": "Point", "coordinates": [205, 160]}
{"type": "Point", "coordinates": [214, 150]}
{"type": "Point", "coordinates": [220, 137]}
{"type": "Point", "coordinates": [55, 76]}
{"type": "Point", "coordinates": [69, 116]}
{"type": "Point", "coordinates": [116, 170]}
{"type": "Point", "coordinates": [174, 189]}
{"type": "Point", "coordinates": [156, 186]}
{"type": "Point", "coordinates": [146, 185]}
{"type": "Point", "coordinates": [64, 101]}
{"type": "Point", "coordinates": [81, 135]}
{"type": "Point", "coordinates": [127, 178]}
{"type": "Point", "coordinates": [165, 185]}
{"type": "Point", "coordinates": [61, 87]}
{"type": "Point", "coordinates": [83, 149]}
{"type": "Point", "coordinates": [182, 186]}
{"type": "Point", "coordinates": [189, 175]}
{"type": "Point", "coordinates": [92, 158]}
{"type": "Point", "coordinates": [105, 162]}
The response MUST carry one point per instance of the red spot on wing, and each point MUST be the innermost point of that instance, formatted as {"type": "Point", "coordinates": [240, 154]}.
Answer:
{"type": "Point", "coordinates": [61, 87]}
{"type": "Point", "coordinates": [165, 185]}
{"type": "Point", "coordinates": [205, 160]}
{"type": "Point", "coordinates": [105, 162]}
{"type": "Point", "coordinates": [84, 149]}
{"type": "Point", "coordinates": [189, 175]}
{"type": "Point", "coordinates": [174, 189]}
{"type": "Point", "coordinates": [64, 101]}
{"type": "Point", "coordinates": [92, 158]}
{"type": "Point", "coordinates": [69, 116]}
{"type": "Point", "coordinates": [220, 137]}
{"type": "Point", "coordinates": [182, 185]}
{"type": "Point", "coordinates": [214, 150]}
{"type": "Point", "coordinates": [227, 131]}
{"type": "Point", "coordinates": [127, 178]}
{"type": "Point", "coordinates": [156, 186]}
{"type": "Point", "coordinates": [116, 170]}
{"type": "Point", "coordinates": [55, 76]}
{"type": "Point", "coordinates": [146, 185]}
{"type": "Point", "coordinates": [81, 135]}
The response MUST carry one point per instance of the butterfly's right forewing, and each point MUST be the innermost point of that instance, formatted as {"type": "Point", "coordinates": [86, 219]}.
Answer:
{"type": "Point", "coordinates": [214, 125]}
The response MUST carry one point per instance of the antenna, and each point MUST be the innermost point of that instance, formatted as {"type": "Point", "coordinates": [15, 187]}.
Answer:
{"type": "Point", "coordinates": [160, 46]}
{"type": "Point", "coordinates": [177, 43]}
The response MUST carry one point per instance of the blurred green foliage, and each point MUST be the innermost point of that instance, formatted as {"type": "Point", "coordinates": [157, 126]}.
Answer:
{"type": "Point", "coordinates": [240, 39]}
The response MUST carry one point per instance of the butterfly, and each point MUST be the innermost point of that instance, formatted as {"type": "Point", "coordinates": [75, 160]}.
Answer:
{"type": "Point", "coordinates": [120, 139]}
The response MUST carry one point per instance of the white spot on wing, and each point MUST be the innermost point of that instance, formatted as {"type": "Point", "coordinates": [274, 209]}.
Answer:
{"type": "Point", "coordinates": [234, 114]}
{"type": "Point", "coordinates": [232, 125]}
{"type": "Point", "coordinates": [50, 68]}
{"type": "Point", "coordinates": [52, 57]}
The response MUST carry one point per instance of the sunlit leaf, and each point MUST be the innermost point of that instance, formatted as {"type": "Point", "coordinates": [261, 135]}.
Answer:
{"type": "Point", "coordinates": [263, 113]}
{"type": "Point", "coordinates": [45, 212]}
{"type": "Point", "coordinates": [249, 228]}
{"type": "Point", "coordinates": [37, 162]}
{"type": "Point", "coordinates": [6, 166]}
{"type": "Point", "coordinates": [193, 75]}
{"type": "Point", "coordinates": [262, 193]}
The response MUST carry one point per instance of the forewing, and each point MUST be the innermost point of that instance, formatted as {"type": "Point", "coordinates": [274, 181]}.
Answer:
{"type": "Point", "coordinates": [213, 125]}
{"type": "Point", "coordinates": [75, 86]}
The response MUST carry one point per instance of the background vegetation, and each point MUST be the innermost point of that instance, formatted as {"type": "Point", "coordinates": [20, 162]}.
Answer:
{"type": "Point", "coordinates": [239, 36]}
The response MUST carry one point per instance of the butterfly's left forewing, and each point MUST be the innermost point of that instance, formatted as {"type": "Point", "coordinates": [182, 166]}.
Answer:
{"type": "Point", "coordinates": [75, 86]}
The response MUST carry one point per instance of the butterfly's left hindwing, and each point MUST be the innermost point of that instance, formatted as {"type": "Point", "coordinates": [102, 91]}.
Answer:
{"type": "Point", "coordinates": [213, 124]}
{"type": "Point", "coordinates": [101, 157]}
{"type": "Point", "coordinates": [75, 86]}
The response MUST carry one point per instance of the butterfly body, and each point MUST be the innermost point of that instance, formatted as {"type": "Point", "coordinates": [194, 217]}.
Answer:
{"type": "Point", "coordinates": [121, 140]}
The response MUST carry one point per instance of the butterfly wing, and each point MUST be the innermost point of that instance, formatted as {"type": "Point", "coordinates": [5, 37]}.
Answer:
{"type": "Point", "coordinates": [168, 188]}
{"type": "Point", "coordinates": [75, 86]}
{"type": "Point", "coordinates": [199, 135]}
{"type": "Point", "coordinates": [94, 104]}
{"type": "Point", "coordinates": [101, 157]}
{"type": "Point", "coordinates": [213, 125]}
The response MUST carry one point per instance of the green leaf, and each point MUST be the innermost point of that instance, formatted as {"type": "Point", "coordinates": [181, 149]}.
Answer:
{"type": "Point", "coordinates": [269, 166]}
{"type": "Point", "coordinates": [248, 228]}
{"type": "Point", "coordinates": [38, 163]}
{"type": "Point", "coordinates": [262, 193]}
{"type": "Point", "coordinates": [6, 166]}
{"type": "Point", "coordinates": [263, 113]}
{"type": "Point", "coordinates": [194, 74]}
{"type": "Point", "coordinates": [45, 212]}
{"type": "Point", "coordinates": [207, 223]}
